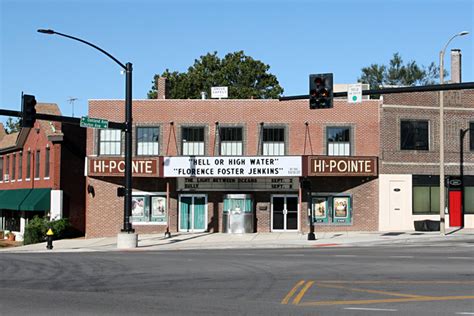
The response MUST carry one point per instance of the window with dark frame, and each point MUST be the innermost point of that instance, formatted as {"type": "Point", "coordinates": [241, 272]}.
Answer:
{"type": "Point", "coordinates": [338, 141]}
{"type": "Point", "coordinates": [20, 166]}
{"type": "Point", "coordinates": [426, 199]}
{"type": "Point", "coordinates": [273, 141]}
{"type": "Point", "coordinates": [7, 168]}
{"type": "Point", "coordinates": [13, 167]}
{"type": "Point", "coordinates": [1, 169]}
{"type": "Point", "coordinates": [28, 165]}
{"type": "Point", "coordinates": [471, 136]}
{"type": "Point", "coordinates": [414, 135]}
{"type": "Point", "coordinates": [110, 141]}
{"type": "Point", "coordinates": [37, 164]}
{"type": "Point", "coordinates": [192, 140]}
{"type": "Point", "coordinates": [231, 141]}
{"type": "Point", "coordinates": [148, 141]}
{"type": "Point", "coordinates": [46, 163]}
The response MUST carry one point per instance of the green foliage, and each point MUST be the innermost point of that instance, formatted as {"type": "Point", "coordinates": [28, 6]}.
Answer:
{"type": "Point", "coordinates": [35, 230]}
{"type": "Point", "coordinates": [399, 74]}
{"type": "Point", "coordinates": [12, 125]}
{"type": "Point", "coordinates": [245, 77]}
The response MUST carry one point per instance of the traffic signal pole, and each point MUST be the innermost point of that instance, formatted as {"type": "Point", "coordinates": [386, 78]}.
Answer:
{"type": "Point", "coordinates": [58, 118]}
{"type": "Point", "coordinates": [435, 87]}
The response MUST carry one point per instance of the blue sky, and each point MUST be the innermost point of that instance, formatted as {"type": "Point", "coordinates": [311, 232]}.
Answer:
{"type": "Point", "coordinates": [295, 38]}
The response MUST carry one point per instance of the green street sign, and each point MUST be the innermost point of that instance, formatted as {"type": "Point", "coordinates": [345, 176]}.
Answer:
{"type": "Point", "coordinates": [94, 122]}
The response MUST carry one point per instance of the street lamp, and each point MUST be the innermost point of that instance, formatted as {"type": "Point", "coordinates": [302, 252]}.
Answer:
{"type": "Point", "coordinates": [462, 133]}
{"type": "Point", "coordinates": [127, 226]}
{"type": "Point", "coordinates": [441, 135]}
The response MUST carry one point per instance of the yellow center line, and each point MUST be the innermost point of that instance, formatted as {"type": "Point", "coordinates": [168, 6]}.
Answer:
{"type": "Point", "coordinates": [393, 281]}
{"type": "Point", "coordinates": [292, 292]}
{"type": "Point", "coordinates": [369, 291]}
{"type": "Point", "coordinates": [391, 300]}
{"type": "Point", "coordinates": [300, 295]}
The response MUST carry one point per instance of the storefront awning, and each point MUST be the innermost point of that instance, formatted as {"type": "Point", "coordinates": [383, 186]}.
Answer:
{"type": "Point", "coordinates": [26, 199]}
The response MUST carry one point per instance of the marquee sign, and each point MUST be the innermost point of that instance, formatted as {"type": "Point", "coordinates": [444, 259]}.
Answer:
{"type": "Point", "coordinates": [105, 166]}
{"type": "Point", "coordinates": [238, 184]}
{"type": "Point", "coordinates": [232, 167]}
{"type": "Point", "coordinates": [342, 166]}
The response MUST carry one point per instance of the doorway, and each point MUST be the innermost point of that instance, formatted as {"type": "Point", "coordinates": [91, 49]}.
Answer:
{"type": "Point", "coordinates": [285, 213]}
{"type": "Point", "coordinates": [455, 216]}
{"type": "Point", "coordinates": [192, 213]}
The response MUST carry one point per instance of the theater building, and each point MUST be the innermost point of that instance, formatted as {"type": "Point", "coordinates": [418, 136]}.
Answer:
{"type": "Point", "coordinates": [235, 166]}
{"type": "Point", "coordinates": [42, 173]}
{"type": "Point", "coordinates": [410, 157]}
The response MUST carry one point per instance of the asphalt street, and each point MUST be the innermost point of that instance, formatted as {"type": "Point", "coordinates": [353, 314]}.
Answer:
{"type": "Point", "coordinates": [420, 279]}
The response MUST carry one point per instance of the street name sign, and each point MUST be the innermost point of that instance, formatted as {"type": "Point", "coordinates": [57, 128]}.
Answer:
{"type": "Point", "coordinates": [94, 122]}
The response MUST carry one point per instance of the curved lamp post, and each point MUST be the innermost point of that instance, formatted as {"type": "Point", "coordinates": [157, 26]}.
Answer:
{"type": "Point", "coordinates": [441, 135]}
{"type": "Point", "coordinates": [127, 226]}
{"type": "Point", "coordinates": [462, 133]}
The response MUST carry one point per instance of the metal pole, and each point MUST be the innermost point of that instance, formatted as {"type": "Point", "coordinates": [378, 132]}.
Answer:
{"type": "Point", "coordinates": [127, 226]}
{"type": "Point", "coordinates": [442, 226]}
{"type": "Point", "coordinates": [462, 133]}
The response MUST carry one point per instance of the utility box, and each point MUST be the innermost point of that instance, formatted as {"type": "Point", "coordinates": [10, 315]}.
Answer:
{"type": "Point", "coordinates": [238, 214]}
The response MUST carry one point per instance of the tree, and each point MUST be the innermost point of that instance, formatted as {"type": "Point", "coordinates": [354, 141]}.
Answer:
{"type": "Point", "coordinates": [12, 125]}
{"type": "Point", "coordinates": [244, 76]}
{"type": "Point", "coordinates": [399, 74]}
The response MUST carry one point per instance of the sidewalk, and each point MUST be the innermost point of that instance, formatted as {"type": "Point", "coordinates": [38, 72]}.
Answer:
{"type": "Point", "coordinates": [187, 241]}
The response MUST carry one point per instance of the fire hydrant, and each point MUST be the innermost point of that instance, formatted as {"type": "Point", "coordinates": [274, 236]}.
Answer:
{"type": "Point", "coordinates": [49, 239]}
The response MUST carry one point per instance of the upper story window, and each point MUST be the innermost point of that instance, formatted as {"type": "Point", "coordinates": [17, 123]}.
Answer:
{"type": "Point", "coordinates": [339, 141]}
{"type": "Point", "coordinates": [110, 142]}
{"type": "Point", "coordinates": [20, 166]}
{"type": "Point", "coordinates": [471, 136]}
{"type": "Point", "coordinates": [414, 135]}
{"type": "Point", "coordinates": [7, 168]}
{"type": "Point", "coordinates": [1, 168]}
{"type": "Point", "coordinates": [37, 164]}
{"type": "Point", "coordinates": [13, 167]}
{"type": "Point", "coordinates": [231, 141]}
{"type": "Point", "coordinates": [46, 162]}
{"type": "Point", "coordinates": [28, 165]}
{"type": "Point", "coordinates": [147, 141]}
{"type": "Point", "coordinates": [273, 143]}
{"type": "Point", "coordinates": [192, 139]}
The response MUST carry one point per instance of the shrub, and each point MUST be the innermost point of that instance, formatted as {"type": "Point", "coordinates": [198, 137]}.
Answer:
{"type": "Point", "coordinates": [35, 230]}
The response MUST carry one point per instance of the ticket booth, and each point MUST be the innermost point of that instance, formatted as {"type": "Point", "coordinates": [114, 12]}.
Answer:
{"type": "Point", "coordinates": [238, 214]}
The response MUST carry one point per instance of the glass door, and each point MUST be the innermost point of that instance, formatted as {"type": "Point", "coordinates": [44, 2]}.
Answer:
{"type": "Point", "coordinates": [292, 213]}
{"type": "Point", "coordinates": [284, 213]}
{"type": "Point", "coordinates": [278, 213]}
{"type": "Point", "coordinates": [192, 213]}
{"type": "Point", "coordinates": [185, 213]}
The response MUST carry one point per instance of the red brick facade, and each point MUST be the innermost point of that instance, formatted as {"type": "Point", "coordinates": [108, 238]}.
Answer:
{"type": "Point", "coordinates": [65, 143]}
{"type": "Point", "coordinates": [458, 113]}
{"type": "Point", "coordinates": [415, 173]}
{"type": "Point", "coordinates": [305, 134]}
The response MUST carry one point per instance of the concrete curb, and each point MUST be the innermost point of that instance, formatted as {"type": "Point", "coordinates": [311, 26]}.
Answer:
{"type": "Point", "coordinates": [246, 241]}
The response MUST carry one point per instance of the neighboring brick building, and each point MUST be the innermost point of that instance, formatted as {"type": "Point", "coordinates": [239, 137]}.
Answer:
{"type": "Point", "coordinates": [409, 161]}
{"type": "Point", "coordinates": [42, 173]}
{"type": "Point", "coordinates": [198, 166]}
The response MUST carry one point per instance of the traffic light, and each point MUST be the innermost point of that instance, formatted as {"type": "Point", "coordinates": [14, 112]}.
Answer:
{"type": "Point", "coordinates": [28, 111]}
{"type": "Point", "coordinates": [320, 91]}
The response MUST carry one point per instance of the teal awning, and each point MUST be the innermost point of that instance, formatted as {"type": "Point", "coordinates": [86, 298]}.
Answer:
{"type": "Point", "coordinates": [26, 199]}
